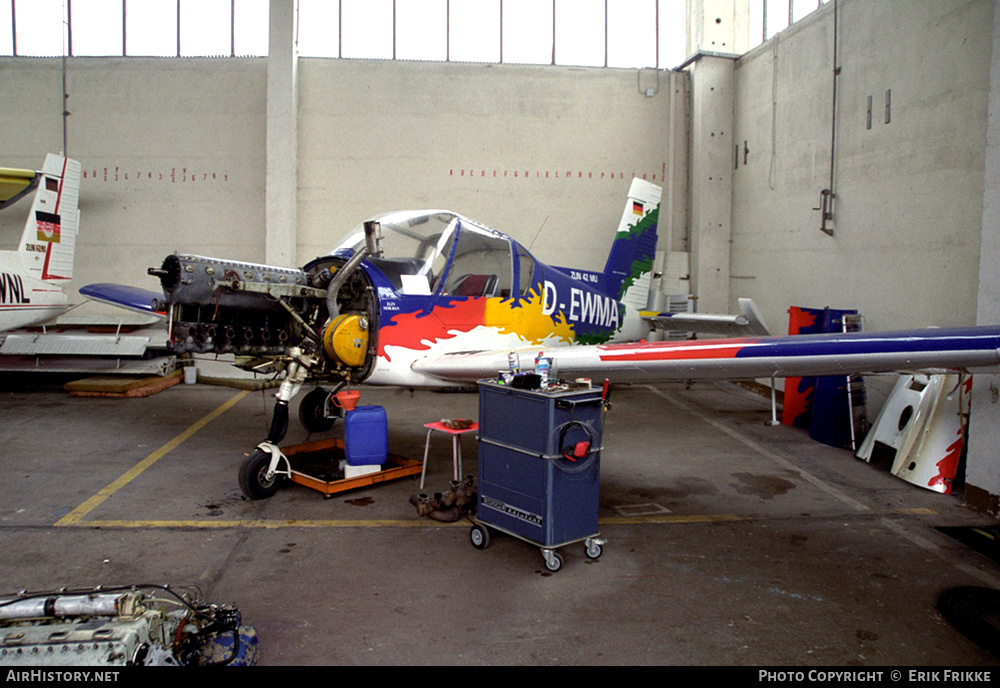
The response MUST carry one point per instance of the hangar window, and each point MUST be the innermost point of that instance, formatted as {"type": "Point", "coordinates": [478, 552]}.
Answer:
{"type": "Point", "coordinates": [153, 32]}
{"type": "Point", "coordinates": [38, 27]}
{"type": "Point", "coordinates": [6, 37]}
{"type": "Point", "coordinates": [422, 30]}
{"type": "Point", "coordinates": [475, 34]}
{"type": "Point", "coordinates": [526, 33]}
{"type": "Point", "coordinates": [98, 27]}
{"type": "Point", "coordinates": [770, 17]}
{"type": "Point", "coordinates": [158, 28]}
{"type": "Point", "coordinates": [367, 30]}
{"type": "Point", "coordinates": [608, 33]}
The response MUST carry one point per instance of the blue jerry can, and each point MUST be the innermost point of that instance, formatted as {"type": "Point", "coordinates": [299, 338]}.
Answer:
{"type": "Point", "coordinates": [366, 436]}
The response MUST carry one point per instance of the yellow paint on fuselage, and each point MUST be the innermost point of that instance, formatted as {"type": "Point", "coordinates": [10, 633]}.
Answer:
{"type": "Point", "coordinates": [526, 319]}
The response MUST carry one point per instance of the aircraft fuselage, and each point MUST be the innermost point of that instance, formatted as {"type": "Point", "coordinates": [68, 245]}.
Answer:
{"type": "Point", "coordinates": [558, 309]}
{"type": "Point", "coordinates": [444, 284]}
{"type": "Point", "coordinates": [25, 300]}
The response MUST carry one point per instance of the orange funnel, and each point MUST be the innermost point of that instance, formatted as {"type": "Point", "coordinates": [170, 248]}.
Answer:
{"type": "Point", "coordinates": [347, 399]}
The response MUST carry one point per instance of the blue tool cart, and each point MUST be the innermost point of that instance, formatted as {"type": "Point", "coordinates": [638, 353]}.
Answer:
{"type": "Point", "coordinates": [539, 466]}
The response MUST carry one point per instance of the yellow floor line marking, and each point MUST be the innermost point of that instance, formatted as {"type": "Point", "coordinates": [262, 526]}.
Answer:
{"type": "Point", "coordinates": [380, 523]}
{"type": "Point", "coordinates": [426, 523]}
{"type": "Point", "coordinates": [74, 517]}
{"type": "Point", "coordinates": [276, 523]}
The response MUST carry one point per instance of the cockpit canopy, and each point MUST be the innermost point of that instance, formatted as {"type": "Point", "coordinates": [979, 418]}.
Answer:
{"type": "Point", "coordinates": [440, 252]}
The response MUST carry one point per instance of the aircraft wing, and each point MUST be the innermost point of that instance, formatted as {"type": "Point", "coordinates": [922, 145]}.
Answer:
{"type": "Point", "coordinates": [120, 295]}
{"type": "Point", "coordinates": [747, 324]}
{"type": "Point", "coordinates": [15, 184]}
{"type": "Point", "coordinates": [745, 358]}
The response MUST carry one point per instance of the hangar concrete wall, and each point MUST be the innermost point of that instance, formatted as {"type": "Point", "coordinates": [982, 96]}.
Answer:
{"type": "Point", "coordinates": [545, 154]}
{"type": "Point", "coordinates": [909, 174]}
{"type": "Point", "coordinates": [173, 151]}
{"type": "Point", "coordinates": [171, 154]}
{"type": "Point", "coordinates": [908, 208]}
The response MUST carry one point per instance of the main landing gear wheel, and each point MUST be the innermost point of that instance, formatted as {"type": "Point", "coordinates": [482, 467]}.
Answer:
{"type": "Point", "coordinates": [253, 476]}
{"type": "Point", "coordinates": [312, 411]}
{"type": "Point", "coordinates": [480, 537]}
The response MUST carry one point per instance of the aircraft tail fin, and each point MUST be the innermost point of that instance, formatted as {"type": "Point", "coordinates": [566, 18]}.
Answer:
{"type": "Point", "coordinates": [48, 244]}
{"type": "Point", "coordinates": [629, 269]}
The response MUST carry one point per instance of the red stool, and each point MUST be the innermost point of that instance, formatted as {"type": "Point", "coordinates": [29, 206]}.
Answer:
{"type": "Point", "coordinates": [456, 446]}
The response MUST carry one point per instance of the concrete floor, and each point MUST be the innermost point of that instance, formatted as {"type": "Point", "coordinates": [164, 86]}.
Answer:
{"type": "Point", "coordinates": [729, 542]}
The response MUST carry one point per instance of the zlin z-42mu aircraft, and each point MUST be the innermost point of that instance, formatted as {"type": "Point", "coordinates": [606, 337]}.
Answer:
{"type": "Point", "coordinates": [433, 299]}
{"type": "Point", "coordinates": [31, 277]}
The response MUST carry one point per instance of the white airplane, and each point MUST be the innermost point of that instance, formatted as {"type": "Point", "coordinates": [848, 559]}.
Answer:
{"type": "Point", "coordinates": [32, 276]}
{"type": "Point", "coordinates": [431, 299]}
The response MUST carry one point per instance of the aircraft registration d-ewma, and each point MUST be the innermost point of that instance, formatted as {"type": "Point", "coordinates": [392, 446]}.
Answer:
{"type": "Point", "coordinates": [431, 299]}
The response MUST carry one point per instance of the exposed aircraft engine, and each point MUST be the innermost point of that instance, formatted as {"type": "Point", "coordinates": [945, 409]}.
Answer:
{"type": "Point", "coordinates": [253, 310]}
{"type": "Point", "coordinates": [230, 307]}
{"type": "Point", "coordinates": [134, 626]}
{"type": "Point", "coordinates": [196, 280]}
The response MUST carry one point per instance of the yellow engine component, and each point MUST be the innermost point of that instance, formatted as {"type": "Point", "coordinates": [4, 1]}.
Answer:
{"type": "Point", "coordinates": [345, 339]}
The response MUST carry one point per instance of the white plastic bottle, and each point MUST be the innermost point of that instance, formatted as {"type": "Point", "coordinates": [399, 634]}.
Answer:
{"type": "Point", "coordinates": [542, 368]}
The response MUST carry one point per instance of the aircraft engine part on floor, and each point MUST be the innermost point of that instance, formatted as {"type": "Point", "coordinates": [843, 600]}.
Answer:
{"type": "Point", "coordinates": [457, 502]}
{"type": "Point", "coordinates": [124, 626]}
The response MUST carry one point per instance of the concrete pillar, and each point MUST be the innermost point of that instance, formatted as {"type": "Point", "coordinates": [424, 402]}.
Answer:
{"type": "Point", "coordinates": [717, 34]}
{"type": "Point", "coordinates": [982, 473]}
{"type": "Point", "coordinates": [718, 26]}
{"type": "Point", "coordinates": [281, 200]}
{"type": "Point", "coordinates": [711, 183]}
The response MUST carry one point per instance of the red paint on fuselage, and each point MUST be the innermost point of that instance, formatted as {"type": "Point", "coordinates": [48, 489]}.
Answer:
{"type": "Point", "coordinates": [680, 351]}
{"type": "Point", "coordinates": [421, 329]}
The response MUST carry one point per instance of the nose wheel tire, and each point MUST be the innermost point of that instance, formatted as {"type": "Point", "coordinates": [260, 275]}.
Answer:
{"type": "Point", "coordinates": [253, 476]}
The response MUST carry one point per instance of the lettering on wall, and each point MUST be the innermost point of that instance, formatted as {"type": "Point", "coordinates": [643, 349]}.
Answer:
{"type": "Point", "coordinates": [564, 174]}
{"type": "Point", "coordinates": [173, 175]}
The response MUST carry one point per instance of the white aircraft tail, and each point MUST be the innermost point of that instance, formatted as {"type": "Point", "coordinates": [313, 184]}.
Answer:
{"type": "Point", "coordinates": [48, 243]}
{"type": "Point", "coordinates": [629, 268]}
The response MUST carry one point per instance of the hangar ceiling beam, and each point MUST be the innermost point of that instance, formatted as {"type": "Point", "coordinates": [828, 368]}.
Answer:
{"type": "Point", "coordinates": [281, 195]}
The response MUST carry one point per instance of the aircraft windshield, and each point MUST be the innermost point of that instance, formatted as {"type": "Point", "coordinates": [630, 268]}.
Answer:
{"type": "Point", "coordinates": [420, 236]}
{"type": "Point", "coordinates": [417, 247]}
